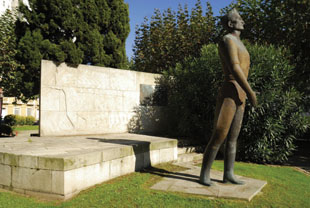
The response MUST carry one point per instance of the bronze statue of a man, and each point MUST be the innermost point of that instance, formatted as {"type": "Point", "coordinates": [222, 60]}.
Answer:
{"type": "Point", "coordinates": [230, 101]}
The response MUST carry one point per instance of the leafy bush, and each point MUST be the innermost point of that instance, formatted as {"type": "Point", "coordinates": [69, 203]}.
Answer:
{"type": "Point", "coordinates": [14, 120]}
{"type": "Point", "coordinates": [191, 89]}
{"type": "Point", "coordinates": [268, 132]}
{"type": "Point", "coordinates": [20, 120]}
{"type": "Point", "coordinates": [10, 120]}
{"type": "Point", "coordinates": [30, 120]}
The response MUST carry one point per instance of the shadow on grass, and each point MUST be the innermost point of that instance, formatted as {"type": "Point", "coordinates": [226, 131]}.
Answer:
{"type": "Point", "coordinates": [301, 157]}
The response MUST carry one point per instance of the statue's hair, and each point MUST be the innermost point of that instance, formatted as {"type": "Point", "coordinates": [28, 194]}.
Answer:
{"type": "Point", "coordinates": [229, 17]}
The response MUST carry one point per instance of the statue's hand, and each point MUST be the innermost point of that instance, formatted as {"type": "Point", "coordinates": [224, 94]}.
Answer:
{"type": "Point", "coordinates": [253, 99]}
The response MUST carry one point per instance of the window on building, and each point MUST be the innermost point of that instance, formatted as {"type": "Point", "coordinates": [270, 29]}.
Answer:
{"type": "Point", "coordinates": [37, 114]}
{"type": "Point", "coordinates": [3, 3]}
{"type": "Point", "coordinates": [29, 111]}
{"type": "Point", "coordinates": [4, 112]}
{"type": "Point", "coordinates": [16, 111]}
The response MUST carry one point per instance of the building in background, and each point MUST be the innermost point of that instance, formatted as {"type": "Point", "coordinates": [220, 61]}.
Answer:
{"type": "Point", "coordinates": [7, 4]}
{"type": "Point", "coordinates": [10, 4]}
{"type": "Point", "coordinates": [11, 106]}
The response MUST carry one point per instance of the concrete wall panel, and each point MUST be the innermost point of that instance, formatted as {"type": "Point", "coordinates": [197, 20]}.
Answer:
{"type": "Point", "coordinates": [88, 99]}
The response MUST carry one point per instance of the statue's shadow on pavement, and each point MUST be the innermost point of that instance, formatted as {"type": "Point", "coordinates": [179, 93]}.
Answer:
{"type": "Point", "coordinates": [175, 175]}
{"type": "Point", "coordinates": [169, 174]}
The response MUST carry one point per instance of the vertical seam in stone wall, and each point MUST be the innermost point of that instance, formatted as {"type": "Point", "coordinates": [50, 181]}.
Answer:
{"type": "Point", "coordinates": [66, 105]}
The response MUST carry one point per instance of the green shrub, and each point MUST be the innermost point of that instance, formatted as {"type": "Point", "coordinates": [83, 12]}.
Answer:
{"type": "Point", "coordinates": [20, 120]}
{"type": "Point", "coordinates": [30, 120]}
{"type": "Point", "coordinates": [191, 89]}
{"type": "Point", "coordinates": [10, 120]}
{"type": "Point", "coordinates": [268, 132]}
{"type": "Point", "coordinates": [16, 120]}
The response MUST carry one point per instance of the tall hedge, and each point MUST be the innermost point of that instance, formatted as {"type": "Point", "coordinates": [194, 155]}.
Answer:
{"type": "Point", "coordinates": [268, 131]}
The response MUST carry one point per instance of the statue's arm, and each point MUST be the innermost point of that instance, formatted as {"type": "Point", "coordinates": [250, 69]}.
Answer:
{"type": "Point", "coordinates": [237, 71]}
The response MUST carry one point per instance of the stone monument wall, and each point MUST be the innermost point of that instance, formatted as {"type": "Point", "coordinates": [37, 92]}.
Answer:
{"type": "Point", "coordinates": [89, 99]}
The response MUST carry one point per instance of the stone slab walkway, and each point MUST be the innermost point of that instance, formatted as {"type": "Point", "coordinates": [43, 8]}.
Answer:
{"type": "Point", "coordinates": [187, 182]}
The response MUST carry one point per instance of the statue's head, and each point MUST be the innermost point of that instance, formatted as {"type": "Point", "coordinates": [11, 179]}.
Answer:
{"type": "Point", "coordinates": [232, 21]}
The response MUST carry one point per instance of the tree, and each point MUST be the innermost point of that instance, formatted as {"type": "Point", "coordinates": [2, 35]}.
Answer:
{"type": "Point", "coordinates": [73, 31]}
{"type": "Point", "coordinates": [171, 36]}
{"type": "Point", "coordinates": [282, 23]}
{"type": "Point", "coordinates": [9, 76]}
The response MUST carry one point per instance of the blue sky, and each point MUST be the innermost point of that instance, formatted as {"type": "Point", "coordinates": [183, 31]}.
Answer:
{"type": "Point", "coordinates": [138, 9]}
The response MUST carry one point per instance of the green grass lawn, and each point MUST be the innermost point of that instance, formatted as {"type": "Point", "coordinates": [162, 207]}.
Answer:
{"type": "Point", "coordinates": [26, 127]}
{"type": "Point", "coordinates": [286, 188]}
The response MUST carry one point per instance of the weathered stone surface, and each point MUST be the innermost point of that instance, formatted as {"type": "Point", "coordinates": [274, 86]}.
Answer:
{"type": "Point", "coordinates": [88, 99]}
{"type": "Point", "coordinates": [160, 145]}
{"type": "Point", "coordinates": [28, 161]}
{"type": "Point", "coordinates": [50, 71]}
{"type": "Point", "coordinates": [128, 164]}
{"type": "Point", "coordinates": [58, 182]}
{"type": "Point", "coordinates": [78, 179]}
{"type": "Point", "coordinates": [146, 78]}
{"type": "Point", "coordinates": [154, 157]}
{"type": "Point", "coordinates": [5, 175]}
{"type": "Point", "coordinates": [166, 156]}
{"type": "Point", "coordinates": [117, 152]}
{"type": "Point", "coordinates": [123, 80]}
{"type": "Point", "coordinates": [32, 179]}
{"type": "Point", "coordinates": [50, 163]}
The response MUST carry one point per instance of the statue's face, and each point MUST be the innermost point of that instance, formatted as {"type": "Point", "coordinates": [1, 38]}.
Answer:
{"type": "Point", "coordinates": [236, 22]}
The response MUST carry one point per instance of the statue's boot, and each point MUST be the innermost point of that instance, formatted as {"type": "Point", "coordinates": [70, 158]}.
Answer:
{"type": "Point", "coordinates": [230, 150]}
{"type": "Point", "coordinates": [229, 176]}
{"type": "Point", "coordinates": [208, 158]}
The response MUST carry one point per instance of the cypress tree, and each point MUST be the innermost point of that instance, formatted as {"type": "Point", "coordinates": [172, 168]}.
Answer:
{"type": "Point", "coordinates": [72, 31]}
{"type": "Point", "coordinates": [9, 75]}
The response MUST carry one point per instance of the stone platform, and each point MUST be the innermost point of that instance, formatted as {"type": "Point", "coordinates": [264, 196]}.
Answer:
{"type": "Point", "coordinates": [188, 182]}
{"type": "Point", "coordinates": [60, 167]}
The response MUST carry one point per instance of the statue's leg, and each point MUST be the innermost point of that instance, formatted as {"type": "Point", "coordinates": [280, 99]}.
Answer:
{"type": "Point", "coordinates": [225, 111]}
{"type": "Point", "coordinates": [231, 147]}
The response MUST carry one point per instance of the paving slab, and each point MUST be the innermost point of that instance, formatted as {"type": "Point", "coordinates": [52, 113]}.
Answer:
{"type": "Point", "coordinates": [187, 182]}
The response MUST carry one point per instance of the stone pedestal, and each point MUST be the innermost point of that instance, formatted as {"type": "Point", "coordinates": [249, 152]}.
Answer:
{"type": "Point", "coordinates": [60, 167]}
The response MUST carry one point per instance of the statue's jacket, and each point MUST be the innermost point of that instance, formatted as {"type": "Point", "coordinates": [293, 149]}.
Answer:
{"type": "Point", "coordinates": [232, 51]}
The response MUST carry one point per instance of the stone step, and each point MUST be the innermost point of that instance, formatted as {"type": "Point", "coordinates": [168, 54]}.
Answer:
{"type": "Point", "coordinates": [188, 157]}
{"type": "Point", "coordinates": [183, 150]}
{"type": "Point", "coordinates": [61, 167]}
